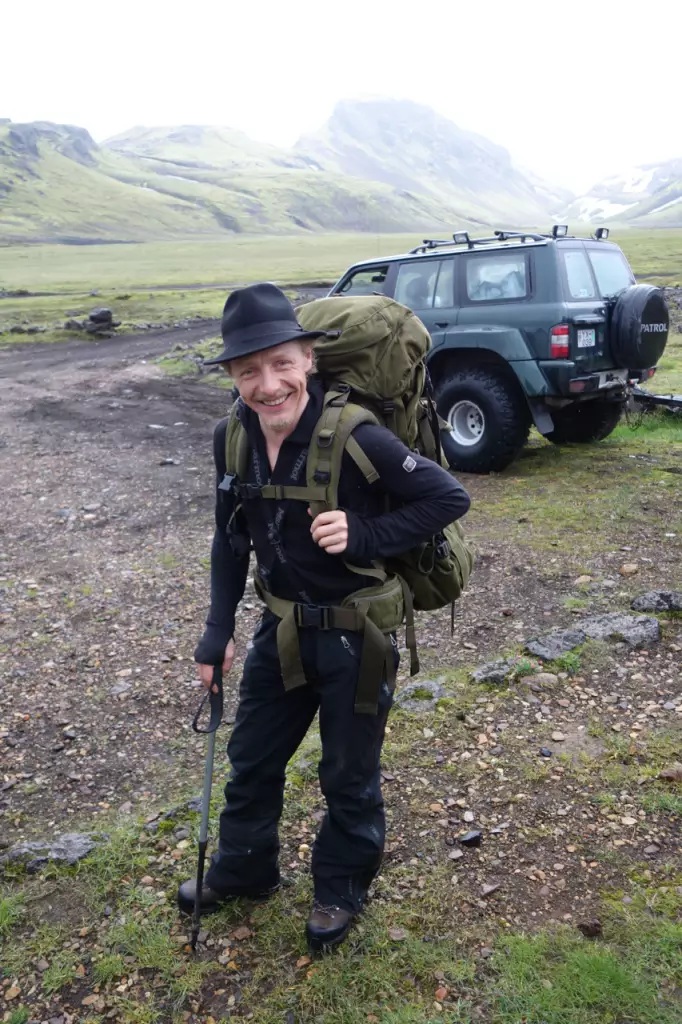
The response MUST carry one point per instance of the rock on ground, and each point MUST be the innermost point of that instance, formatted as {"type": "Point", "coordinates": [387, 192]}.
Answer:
{"type": "Point", "coordinates": [65, 849]}
{"type": "Point", "coordinates": [635, 630]}
{"type": "Point", "coordinates": [658, 601]}
{"type": "Point", "coordinates": [406, 699]}
{"type": "Point", "coordinates": [553, 645]}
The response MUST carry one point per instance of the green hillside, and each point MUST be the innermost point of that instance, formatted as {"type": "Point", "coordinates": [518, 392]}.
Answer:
{"type": "Point", "coordinates": [388, 167]}
{"type": "Point", "coordinates": [57, 185]}
{"type": "Point", "coordinates": [201, 146]}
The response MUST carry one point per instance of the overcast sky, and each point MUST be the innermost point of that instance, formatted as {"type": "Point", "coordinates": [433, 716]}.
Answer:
{"type": "Point", "coordinates": [574, 90]}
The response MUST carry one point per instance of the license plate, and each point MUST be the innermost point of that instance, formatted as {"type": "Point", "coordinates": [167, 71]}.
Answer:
{"type": "Point", "coordinates": [586, 339]}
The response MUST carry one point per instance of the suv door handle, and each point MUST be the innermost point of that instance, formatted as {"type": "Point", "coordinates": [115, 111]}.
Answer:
{"type": "Point", "coordinates": [442, 323]}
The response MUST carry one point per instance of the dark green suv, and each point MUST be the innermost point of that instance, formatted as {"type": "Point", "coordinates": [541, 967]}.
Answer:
{"type": "Point", "coordinates": [526, 328]}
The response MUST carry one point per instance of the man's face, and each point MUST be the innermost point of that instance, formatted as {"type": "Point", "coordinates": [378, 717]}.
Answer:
{"type": "Point", "coordinates": [274, 384]}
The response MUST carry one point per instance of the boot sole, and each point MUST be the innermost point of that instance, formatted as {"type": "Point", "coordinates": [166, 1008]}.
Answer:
{"type": "Point", "coordinates": [213, 908]}
{"type": "Point", "coordinates": [317, 944]}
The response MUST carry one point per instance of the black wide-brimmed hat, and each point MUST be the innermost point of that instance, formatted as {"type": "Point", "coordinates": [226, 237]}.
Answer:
{"type": "Point", "coordinates": [256, 318]}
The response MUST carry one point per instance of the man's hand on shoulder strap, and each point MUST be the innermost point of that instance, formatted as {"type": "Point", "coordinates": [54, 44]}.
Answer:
{"type": "Point", "coordinates": [330, 531]}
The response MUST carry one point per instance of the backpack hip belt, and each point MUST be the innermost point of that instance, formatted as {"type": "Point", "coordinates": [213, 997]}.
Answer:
{"type": "Point", "coordinates": [356, 614]}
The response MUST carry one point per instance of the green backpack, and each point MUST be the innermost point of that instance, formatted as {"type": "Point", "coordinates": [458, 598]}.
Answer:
{"type": "Point", "coordinates": [372, 365]}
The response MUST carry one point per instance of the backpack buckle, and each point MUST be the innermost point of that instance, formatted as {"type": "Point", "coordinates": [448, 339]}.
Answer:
{"type": "Point", "coordinates": [442, 547]}
{"type": "Point", "coordinates": [313, 616]}
{"type": "Point", "coordinates": [249, 491]}
{"type": "Point", "coordinates": [388, 407]}
{"type": "Point", "coordinates": [325, 438]}
{"type": "Point", "coordinates": [321, 477]}
{"type": "Point", "coordinates": [228, 482]}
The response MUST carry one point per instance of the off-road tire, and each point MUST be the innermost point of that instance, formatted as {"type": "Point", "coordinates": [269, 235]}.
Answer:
{"type": "Point", "coordinates": [584, 422]}
{"type": "Point", "coordinates": [505, 411]}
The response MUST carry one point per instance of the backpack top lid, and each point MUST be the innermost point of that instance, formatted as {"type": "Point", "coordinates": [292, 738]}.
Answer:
{"type": "Point", "coordinates": [377, 347]}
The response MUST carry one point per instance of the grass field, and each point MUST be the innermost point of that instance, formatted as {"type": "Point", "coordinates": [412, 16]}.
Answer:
{"type": "Point", "coordinates": [80, 269]}
{"type": "Point", "coordinates": [62, 279]}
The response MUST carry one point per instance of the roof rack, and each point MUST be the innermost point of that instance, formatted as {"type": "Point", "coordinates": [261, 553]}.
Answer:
{"type": "Point", "coordinates": [462, 238]}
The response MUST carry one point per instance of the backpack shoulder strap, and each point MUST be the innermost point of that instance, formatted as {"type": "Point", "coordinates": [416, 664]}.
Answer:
{"type": "Point", "coordinates": [331, 437]}
{"type": "Point", "coordinates": [236, 444]}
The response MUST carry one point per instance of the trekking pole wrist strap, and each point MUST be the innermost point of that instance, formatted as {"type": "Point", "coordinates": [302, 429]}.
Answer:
{"type": "Point", "coordinates": [215, 703]}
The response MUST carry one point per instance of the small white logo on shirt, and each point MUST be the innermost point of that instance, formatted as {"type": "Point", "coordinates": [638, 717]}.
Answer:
{"type": "Point", "coordinates": [409, 464]}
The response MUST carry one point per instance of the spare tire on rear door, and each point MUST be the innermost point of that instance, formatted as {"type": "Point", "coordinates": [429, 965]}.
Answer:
{"type": "Point", "coordinates": [639, 327]}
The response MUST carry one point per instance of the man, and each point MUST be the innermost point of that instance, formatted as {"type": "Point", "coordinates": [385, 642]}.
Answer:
{"type": "Point", "coordinates": [303, 558]}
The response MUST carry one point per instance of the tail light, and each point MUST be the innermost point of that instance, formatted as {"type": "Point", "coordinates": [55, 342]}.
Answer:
{"type": "Point", "coordinates": [559, 341]}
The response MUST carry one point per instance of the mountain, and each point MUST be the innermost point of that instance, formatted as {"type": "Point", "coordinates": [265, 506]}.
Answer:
{"type": "Point", "coordinates": [375, 166]}
{"type": "Point", "coordinates": [201, 147]}
{"type": "Point", "coordinates": [57, 184]}
{"type": "Point", "coordinates": [647, 195]}
{"type": "Point", "coordinates": [412, 147]}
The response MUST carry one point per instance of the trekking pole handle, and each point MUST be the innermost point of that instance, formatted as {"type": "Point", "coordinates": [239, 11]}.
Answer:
{"type": "Point", "coordinates": [215, 701]}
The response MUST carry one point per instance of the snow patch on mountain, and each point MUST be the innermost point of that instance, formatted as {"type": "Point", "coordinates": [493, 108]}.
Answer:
{"type": "Point", "coordinates": [637, 179]}
{"type": "Point", "coordinates": [591, 208]}
{"type": "Point", "coordinates": [665, 206]}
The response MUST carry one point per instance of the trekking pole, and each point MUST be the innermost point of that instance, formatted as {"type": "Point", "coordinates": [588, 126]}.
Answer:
{"type": "Point", "coordinates": [216, 705]}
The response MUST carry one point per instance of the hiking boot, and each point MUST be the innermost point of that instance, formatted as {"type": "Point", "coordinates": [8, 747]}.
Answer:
{"type": "Point", "coordinates": [211, 901]}
{"type": "Point", "coordinates": [327, 927]}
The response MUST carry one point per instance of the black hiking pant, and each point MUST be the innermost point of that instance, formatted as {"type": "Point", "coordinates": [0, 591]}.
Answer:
{"type": "Point", "coordinates": [269, 727]}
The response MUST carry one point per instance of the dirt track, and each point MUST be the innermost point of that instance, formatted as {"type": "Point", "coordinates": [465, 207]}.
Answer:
{"type": "Point", "coordinates": [106, 487]}
{"type": "Point", "coordinates": [106, 507]}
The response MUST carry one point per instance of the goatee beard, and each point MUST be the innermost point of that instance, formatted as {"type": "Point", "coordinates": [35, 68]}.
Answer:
{"type": "Point", "coordinates": [278, 426]}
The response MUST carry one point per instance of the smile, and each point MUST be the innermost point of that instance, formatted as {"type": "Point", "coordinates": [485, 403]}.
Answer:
{"type": "Point", "coordinates": [275, 402]}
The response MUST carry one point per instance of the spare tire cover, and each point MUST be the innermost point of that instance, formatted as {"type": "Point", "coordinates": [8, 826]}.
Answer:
{"type": "Point", "coordinates": [639, 327]}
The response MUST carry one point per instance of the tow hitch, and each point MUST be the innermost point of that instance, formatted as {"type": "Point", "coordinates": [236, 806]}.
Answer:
{"type": "Point", "coordinates": [646, 402]}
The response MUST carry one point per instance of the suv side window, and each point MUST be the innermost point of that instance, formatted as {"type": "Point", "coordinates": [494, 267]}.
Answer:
{"type": "Point", "coordinates": [578, 274]}
{"type": "Point", "coordinates": [366, 281]}
{"type": "Point", "coordinates": [496, 278]}
{"type": "Point", "coordinates": [416, 284]}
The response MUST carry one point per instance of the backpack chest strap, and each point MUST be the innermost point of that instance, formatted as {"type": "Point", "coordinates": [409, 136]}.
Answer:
{"type": "Point", "coordinates": [283, 492]}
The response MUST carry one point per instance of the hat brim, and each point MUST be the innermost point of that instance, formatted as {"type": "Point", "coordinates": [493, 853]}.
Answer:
{"type": "Point", "coordinates": [264, 339]}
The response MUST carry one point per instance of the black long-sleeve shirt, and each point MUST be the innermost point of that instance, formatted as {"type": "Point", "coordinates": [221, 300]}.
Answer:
{"type": "Point", "coordinates": [423, 497]}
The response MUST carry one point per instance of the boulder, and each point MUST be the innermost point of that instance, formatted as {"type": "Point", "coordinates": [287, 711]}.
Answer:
{"type": "Point", "coordinates": [553, 645]}
{"type": "Point", "coordinates": [419, 697]}
{"type": "Point", "coordinates": [493, 671]}
{"type": "Point", "coordinates": [62, 849]}
{"type": "Point", "coordinates": [658, 601]}
{"type": "Point", "coordinates": [635, 630]}
{"type": "Point", "coordinates": [101, 316]}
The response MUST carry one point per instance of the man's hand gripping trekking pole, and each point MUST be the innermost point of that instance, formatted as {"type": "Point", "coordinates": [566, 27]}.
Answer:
{"type": "Point", "coordinates": [214, 695]}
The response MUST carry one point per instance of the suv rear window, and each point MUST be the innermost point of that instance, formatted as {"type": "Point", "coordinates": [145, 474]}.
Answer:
{"type": "Point", "coordinates": [611, 270]}
{"type": "Point", "coordinates": [365, 282]}
{"type": "Point", "coordinates": [495, 278]}
{"type": "Point", "coordinates": [578, 274]}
